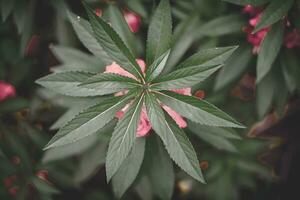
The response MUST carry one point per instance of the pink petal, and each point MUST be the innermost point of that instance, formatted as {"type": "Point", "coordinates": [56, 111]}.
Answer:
{"type": "Point", "coordinates": [144, 126]}
{"type": "Point", "coordinates": [6, 90]}
{"type": "Point", "coordinates": [133, 21]}
{"type": "Point", "coordinates": [177, 118]}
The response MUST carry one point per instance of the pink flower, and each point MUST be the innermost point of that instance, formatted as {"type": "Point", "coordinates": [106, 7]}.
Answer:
{"type": "Point", "coordinates": [133, 21]}
{"type": "Point", "coordinates": [254, 38]}
{"type": "Point", "coordinates": [98, 12]}
{"type": "Point", "coordinates": [144, 126]}
{"type": "Point", "coordinates": [6, 91]}
{"type": "Point", "coordinates": [292, 39]}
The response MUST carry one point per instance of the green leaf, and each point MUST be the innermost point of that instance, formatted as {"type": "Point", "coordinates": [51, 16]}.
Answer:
{"type": "Point", "coordinates": [123, 138]}
{"type": "Point", "coordinates": [215, 136]}
{"type": "Point", "coordinates": [197, 110]}
{"type": "Point", "coordinates": [247, 2]}
{"type": "Point", "coordinates": [265, 92]}
{"type": "Point", "coordinates": [269, 50]}
{"type": "Point", "coordinates": [6, 8]}
{"type": "Point", "coordinates": [74, 108]}
{"type": "Point", "coordinates": [214, 56]}
{"type": "Point", "coordinates": [67, 83]}
{"type": "Point", "coordinates": [90, 162]}
{"type": "Point", "coordinates": [85, 34]}
{"type": "Point", "coordinates": [110, 81]}
{"type": "Point", "coordinates": [44, 187]}
{"type": "Point", "coordinates": [234, 68]}
{"type": "Point", "coordinates": [89, 121]}
{"type": "Point", "coordinates": [183, 78]}
{"type": "Point", "coordinates": [159, 168]}
{"type": "Point", "coordinates": [221, 26]}
{"type": "Point", "coordinates": [275, 11]}
{"type": "Point", "coordinates": [129, 169]}
{"type": "Point", "coordinates": [120, 25]}
{"type": "Point", "coordinates": [157, 66]}
{"type": "Point", "coordinates": [113, 44]}
{"type": "Point", "coordinates": [76, 60]}
{"type": "Point", "coordinates": [63, 152]}
{"type": "Point", "coordinates": [159, 32]}
{"type": "Point", "coordinates": [176, 142]}
{"type": "Point", "coordinates": [290, 63]}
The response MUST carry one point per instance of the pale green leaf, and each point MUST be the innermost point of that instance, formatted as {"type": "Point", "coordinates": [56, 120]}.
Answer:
{"type": "Point", "coordinates": [159, 32]}
{"type": "Point", "coordinates": [176, 142]}
{"type": "Point", "coordinates": [123, 137]}
{"type": "Point", "coordinates": [129, 169]}
{"type": "Point", "coordinates": [197, 110]}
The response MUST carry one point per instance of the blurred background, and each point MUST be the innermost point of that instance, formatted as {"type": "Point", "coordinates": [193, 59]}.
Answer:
{"type": "Point", "coordinates": [258, 163]}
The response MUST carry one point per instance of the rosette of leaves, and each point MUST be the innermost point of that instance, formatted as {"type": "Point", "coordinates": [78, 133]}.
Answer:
{"type": "Point", "coordinates": [150, 89]}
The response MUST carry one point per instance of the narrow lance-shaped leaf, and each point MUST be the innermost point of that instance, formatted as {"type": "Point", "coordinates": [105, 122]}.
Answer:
{"type": "Point", "coordinates": [269, 50]}
{"type": "Point", "coordinates": [123, 137]}
{"type": "Point", "coordinates": [275, 11]}
{"type": "Point", "coordinates": [110, 81]}
{"type": "Point", "coordinates": [247, 2]}
{"type": "Point", "coordinates": [85, 34]}
{"type": "Point", "coordinates": [113, 44]}
{"type": "Point", "coordinates": [214, 56]}
{"type": "Point", "coordinates": [76, 60]}
{"type": "Point", "coordinates": [89, 121]}
{"type": "Point", "coordinates": [176, 142]}
{"type": "Point", "coordinates": [183, 78]}
{"type": "Point", "coordinates": [157, 66]}
{"type": "Point", "coordinates": [159, 32]}
{"type": "Point", "coordinates": [129, 169]}
{"type": "Point", "coordinates": [120, 25]}
{"type": "Point", "coordinates": [67, 83]}
{"type": "Point", "coordinates": [197, 110]}
{"type": "Point", "coordinates": [159, 168]}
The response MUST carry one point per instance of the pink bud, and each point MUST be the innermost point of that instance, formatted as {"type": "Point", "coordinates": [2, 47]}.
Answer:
{"type": "Point", "coordinates": [98, 12]}
{"type": "Point", "coordinates": [6, 91]}
{"type": "Point", "coordinates": [133, 21]}
{"type": "Point", "coordinates": [292, 39]}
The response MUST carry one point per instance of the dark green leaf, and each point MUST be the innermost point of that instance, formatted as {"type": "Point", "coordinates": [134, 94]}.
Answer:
{"type": "Point", "coordinates": [269, 50]}
{"type": "Point", "coordinates": [247, 2]}
{"type": "Point", "coordinates": [221, 26]}
{"type": "Point", "coordinates": [159, 32]}
{"type": "Point", "coordinates": [89, 121]}
{"type": "Point", "coordinates": [275, 11]}
{"type": "Point", "coordinates": [183, 78]}
{"type": "Point", "coordinates": [85, 34]}
{"type": "Point", "coordinates": [157, 66]}
{"type": "Point", "coordinates": [129, 169]}
{"type": "Point", "coordinates": [197, 110]}
{"type": "Point", "coordinates": [6, 8]}
{"type": "Point", "coordinates": [123, 138]}
{"type": "Point", "coordinates": [67, 83]}
{"type": "Point", "coordinates": [217, 137]}
{"type": "Point", "coordinates": [234, 68]}
{"type": "Point", "coordinates": [176, 142]}
{"type": "Point", "coordinates": [75, 60]}
{"type": "Point", "coordinates": [159, 168]}
{"type": "Point", "coordinates": [110, 81]}
{"type": "Point", "coordinates": [112, 43]}
{"type": "Point", "coordinates": [90, 162]}
{"type": "Point", "coordinates": [120, 25]}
